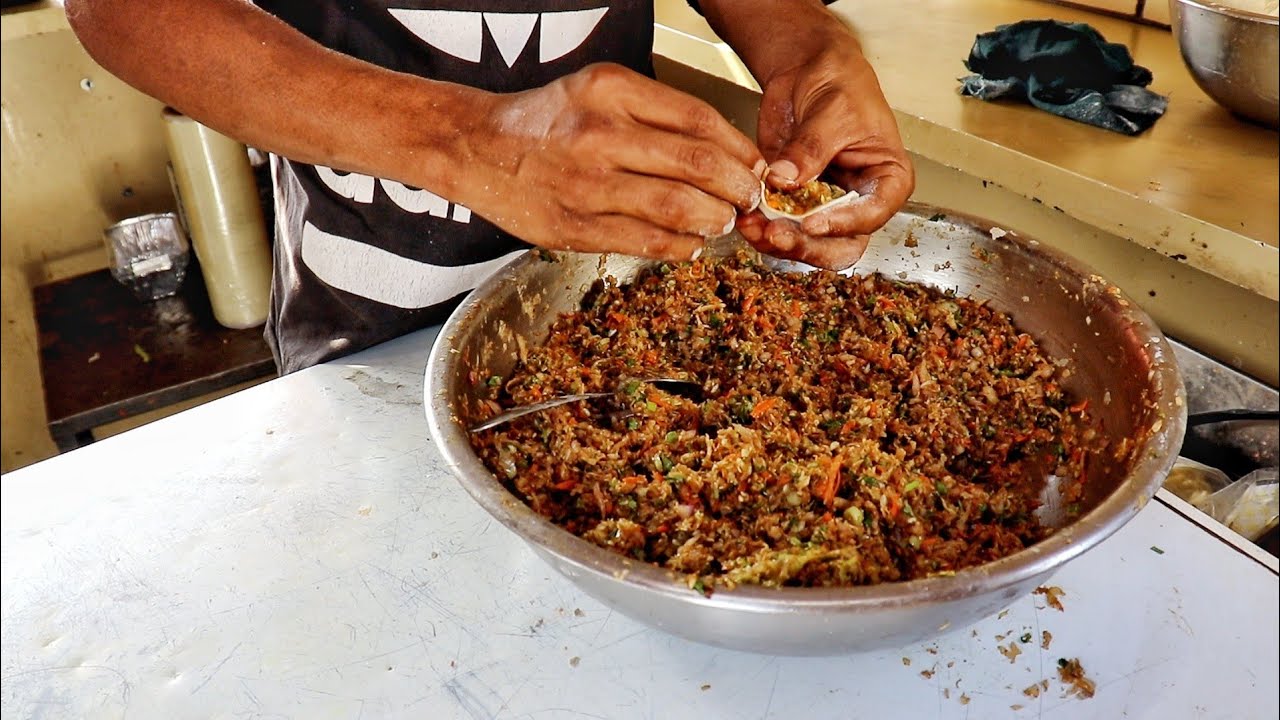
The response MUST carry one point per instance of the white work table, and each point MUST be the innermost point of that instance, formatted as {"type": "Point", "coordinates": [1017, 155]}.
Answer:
{"type": "Point", "coordinates": [299, 550]}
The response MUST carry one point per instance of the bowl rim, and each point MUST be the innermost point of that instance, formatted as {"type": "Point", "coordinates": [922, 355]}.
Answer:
{"type": "Point", "coordinates": [1229, 11]}
{"type": "Point", "coordinates": [1155, 458]}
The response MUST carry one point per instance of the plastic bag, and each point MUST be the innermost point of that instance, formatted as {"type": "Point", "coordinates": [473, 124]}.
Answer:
{"type": "Point", "coordinates": [1249, 506]}
{"type": "Point", "coordinates": [1195, 482]}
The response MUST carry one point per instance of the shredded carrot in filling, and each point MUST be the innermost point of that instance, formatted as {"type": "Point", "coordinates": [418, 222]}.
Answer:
{"type": "Point", "coordinates": [881, 431]}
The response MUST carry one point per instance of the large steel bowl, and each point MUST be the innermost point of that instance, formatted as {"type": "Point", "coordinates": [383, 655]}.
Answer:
{"type": "Point", "coordinates": [1231, 54]}
{"type": "Point", "coordinates": [1123, 365]}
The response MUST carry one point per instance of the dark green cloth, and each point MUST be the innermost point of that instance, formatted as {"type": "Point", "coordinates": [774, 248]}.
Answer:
{"type": "Point", "coordinates": [1067, 69]}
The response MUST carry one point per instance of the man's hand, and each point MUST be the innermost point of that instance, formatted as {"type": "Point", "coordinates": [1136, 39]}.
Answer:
{"type": "Point", "coordinates": [607, 160]}
{"type": "Point", "coordinates": [822, 113]}
{"type": "Point", "coordinates": [604, 159]}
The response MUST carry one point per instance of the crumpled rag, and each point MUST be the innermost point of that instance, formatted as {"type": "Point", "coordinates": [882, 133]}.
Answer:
{"type": "Point", "coordinates": [1067, 69]}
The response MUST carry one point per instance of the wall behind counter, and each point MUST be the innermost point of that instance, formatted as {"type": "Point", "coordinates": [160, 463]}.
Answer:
{"type": "Point", "coordinates": [81, 150]}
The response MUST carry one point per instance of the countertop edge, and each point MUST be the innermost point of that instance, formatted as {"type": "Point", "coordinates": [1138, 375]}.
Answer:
{"type": "Point", "coordinates": [1218, 251]}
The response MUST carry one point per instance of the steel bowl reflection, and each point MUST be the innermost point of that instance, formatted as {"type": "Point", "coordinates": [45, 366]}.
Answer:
{"type": "Point", "coordinates": [1231, 53]}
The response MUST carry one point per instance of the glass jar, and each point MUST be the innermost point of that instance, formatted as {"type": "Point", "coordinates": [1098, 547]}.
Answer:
{"type": "Point", "coordinates": [148, 254]}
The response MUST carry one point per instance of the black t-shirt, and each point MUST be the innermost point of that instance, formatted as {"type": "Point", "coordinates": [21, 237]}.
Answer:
{"type": "Point", "coordinates": [360, 260]}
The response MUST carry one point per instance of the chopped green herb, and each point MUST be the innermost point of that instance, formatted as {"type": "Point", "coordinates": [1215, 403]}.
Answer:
{"type": "Point", "coordinates": [633, 423]}
{"type": "Point", "coordinates": [141, 353]}
{"type": "Point", "coordinates": [1062, 662]}
{"type": "Point", "coordinates": [911, 486]}
{"type": "Point", "coordinates": [630, 387]}
{"type": "Point", "coordinates": [699, 587]}
{"type": "Point", "coordinates": [671, 436]}
{"type": "Point", "coordinates": [1025, 637]}
{"type": "Point", "coordinates": [663, 462]}
{"type": "Point", "coordinates": [494, 381]}
{"type": "Point", "coordinates": [1157, 550]}
{"type": "Point", "coordinates": [869, 481]}
{"type": "Point", "coordinates": [651, 406]}
{"type": "Point", "coordinates": [940, 487]}
{"type": "Point", "coordinates": [715, 321]}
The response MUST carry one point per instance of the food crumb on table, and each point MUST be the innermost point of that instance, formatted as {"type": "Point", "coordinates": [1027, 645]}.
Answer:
{"type": "Point", "coordinates": [1011, 651]}
{"type": "Point", "coordinates": [1052, 595]}
{"type": "Point", "coordinates": [1046, 637]}
{"type": "Point", "coordinates": [1071, 672]}
{"type": "Point", "coordinates": [573, 661]}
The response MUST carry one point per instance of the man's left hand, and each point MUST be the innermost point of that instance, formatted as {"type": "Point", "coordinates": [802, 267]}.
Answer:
{"type": "Point", "coordinates": [826, 115]}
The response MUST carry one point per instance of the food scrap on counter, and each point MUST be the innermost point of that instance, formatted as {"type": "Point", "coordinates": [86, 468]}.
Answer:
{"type": "Point", "coordinates": [1071, 672]}
{"type": "Point", "coordinates": [1052, 595]}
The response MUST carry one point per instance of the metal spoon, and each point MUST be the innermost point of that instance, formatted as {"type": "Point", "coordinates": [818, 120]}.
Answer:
{"type": "Point", "coordinates": [522, 410]}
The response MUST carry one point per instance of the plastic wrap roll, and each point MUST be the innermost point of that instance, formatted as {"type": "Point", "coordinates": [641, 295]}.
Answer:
{"type": "Point", "coordinates": [218, 199]}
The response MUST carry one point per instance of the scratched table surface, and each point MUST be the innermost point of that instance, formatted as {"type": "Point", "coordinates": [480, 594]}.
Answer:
{"type": "Point", "coordinates": [299, 550]}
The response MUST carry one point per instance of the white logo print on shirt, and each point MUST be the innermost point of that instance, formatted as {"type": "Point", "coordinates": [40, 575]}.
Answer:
{"type": "Point", "coordinates": [460, 33]}
{"type": "Point", "coordinates": [376, 274]}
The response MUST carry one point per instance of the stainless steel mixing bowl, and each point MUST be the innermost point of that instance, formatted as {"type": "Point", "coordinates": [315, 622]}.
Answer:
{"type": "Point", "coordinates": [1122, 365]}
{"type": "Point", "coordinates": [1232, 56]}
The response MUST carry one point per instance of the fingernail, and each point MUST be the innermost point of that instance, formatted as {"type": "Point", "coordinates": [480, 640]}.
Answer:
{"type": "Point", "coordinates": [784, 241]}
{"type": "Point", "coordinates": [759, 168]}
{"type": "Point", "coordinates": [728, 227]}
{"type": "Point", "coordinates": [785, 170]}
{"type": "Point", "coordinates": [697, 253]}
{"type": "Point", "coordinates": [816, 226]}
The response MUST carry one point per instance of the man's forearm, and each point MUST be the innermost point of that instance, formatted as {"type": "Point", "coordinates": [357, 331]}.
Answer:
{"type": "Point", "coordinates": [772, 36]}
{"type": "Point", "coordinates": [243, 72]}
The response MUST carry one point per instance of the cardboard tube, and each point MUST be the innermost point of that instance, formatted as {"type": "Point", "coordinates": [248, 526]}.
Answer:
{"type": "Point", "coordinates": [218, 199]}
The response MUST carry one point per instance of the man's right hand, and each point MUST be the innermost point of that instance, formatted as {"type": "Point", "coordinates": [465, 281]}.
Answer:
{"type": "Point", "coordinates": [601, 160]}
{"type": "Point", "coordinates": [607, 160]}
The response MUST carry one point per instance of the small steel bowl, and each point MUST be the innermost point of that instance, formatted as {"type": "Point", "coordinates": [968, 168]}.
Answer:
{"type": "Point", "coordinates": [1122, 365]}
{"type": "Point", "coordinates": [1231, 54]}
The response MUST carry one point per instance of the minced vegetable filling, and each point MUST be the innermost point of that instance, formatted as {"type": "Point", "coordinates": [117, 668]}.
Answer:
{"type": "Point", "coordinates": [803, 198]}
{"type": "Point", "coordinates": [847, 431]}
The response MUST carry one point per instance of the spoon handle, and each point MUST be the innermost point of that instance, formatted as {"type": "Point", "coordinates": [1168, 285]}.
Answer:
{"type": "Point", "coordinates": [514, 413]}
